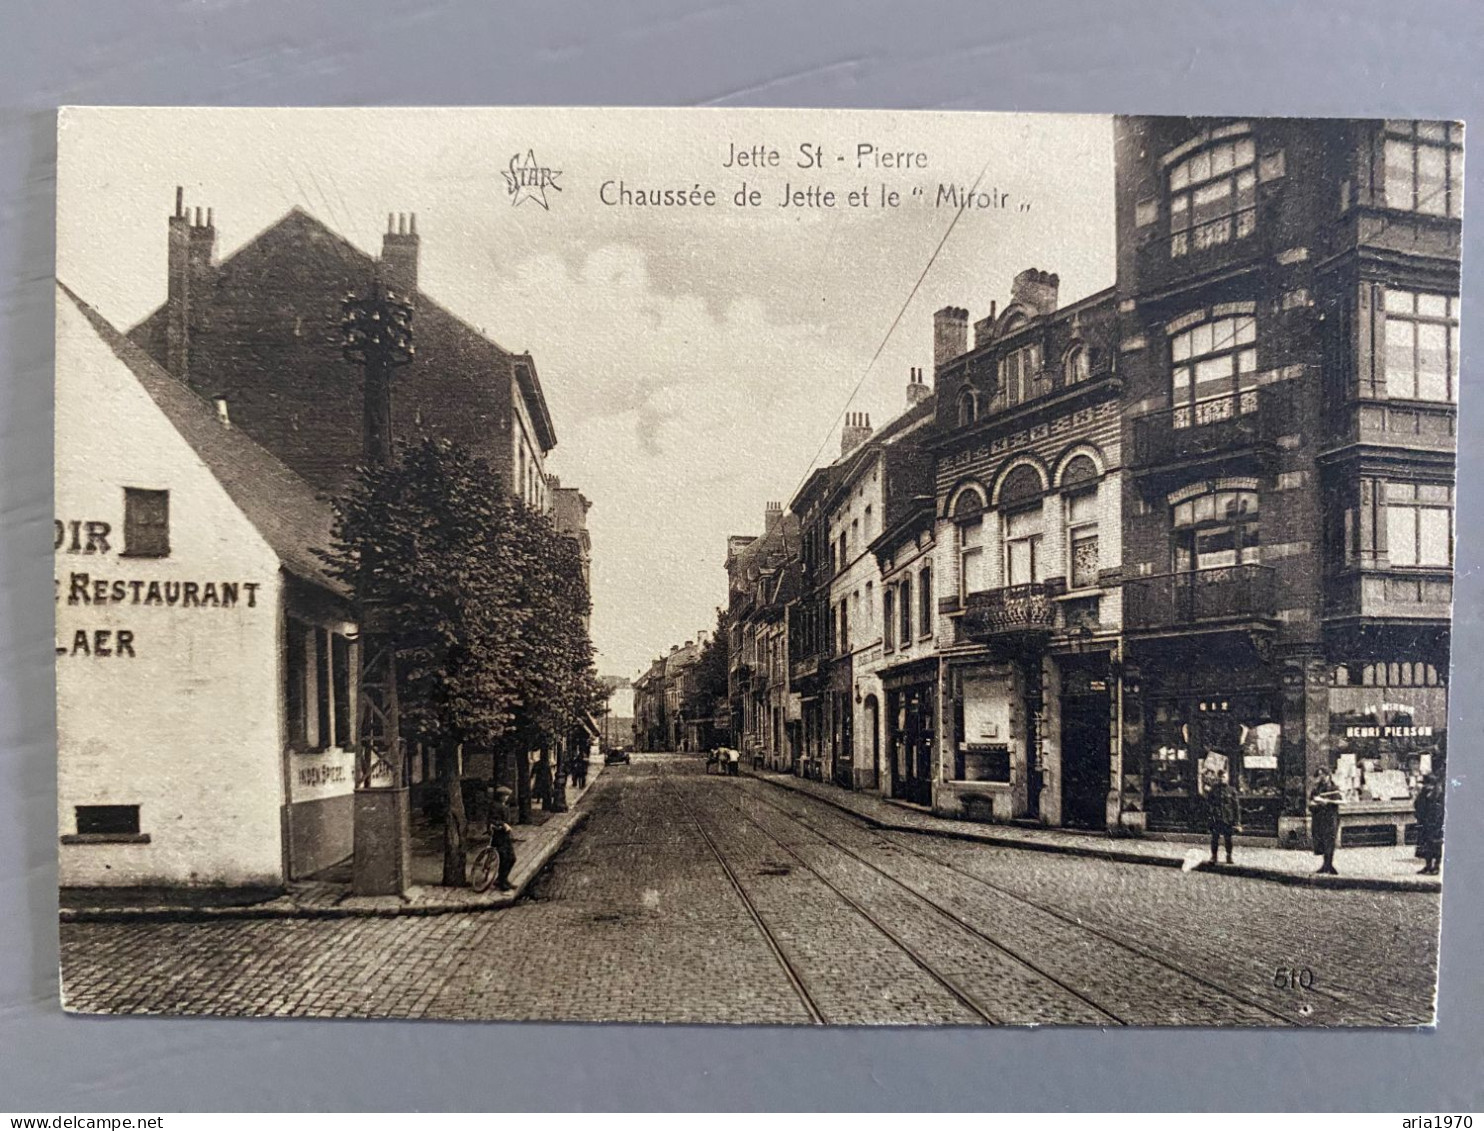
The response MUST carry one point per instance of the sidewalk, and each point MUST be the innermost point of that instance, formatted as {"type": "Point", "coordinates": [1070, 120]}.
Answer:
{"type": "Point", "coordinates": [1375, 869]}
{"type": "Point", "coordinates": [328, 896]}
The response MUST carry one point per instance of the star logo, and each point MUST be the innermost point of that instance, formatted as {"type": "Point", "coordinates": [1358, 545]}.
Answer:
{"type": "Point", "coordinates": [528, 181]}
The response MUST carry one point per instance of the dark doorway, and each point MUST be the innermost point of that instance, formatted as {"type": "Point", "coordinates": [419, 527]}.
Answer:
{"type": "Point", "coordinates": [1086, 765]}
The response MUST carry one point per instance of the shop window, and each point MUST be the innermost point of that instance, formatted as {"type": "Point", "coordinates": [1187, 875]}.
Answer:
{"type": "Point", "coordinates": [343, 666]}
{"type": "Point", "coordinates": [1421, 346]}
{"type": "Point", "coordinates": [1213, 371]}
{"type": "Point", "coordinates": [1216, 530]}
{"type": "Point", "coordinates": [146, 523]}
{"type": "Point", "coordinates": [1019, 370]}
{"type": "Point", "coordinates": [1424, 167]}
{"type": "Point", "coordinates": [888, 622]}
{"type": "Point", "coordinates": [982, 722]}
{"type": "Point", "coordinates": [925, 601]}
{"type": "Point", "coordinates": [107, 820]}
{"type": "Point", "coordinates": [1213, 197]}
{"type": "Point", "coordinates": [1419, 524]}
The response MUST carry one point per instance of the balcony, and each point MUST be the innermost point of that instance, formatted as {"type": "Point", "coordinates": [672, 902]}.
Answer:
{"type": "Point", "coordinates": [1216, 249]}
{"type": "Point", "coordinates": [1241, 426]}
{"type": "Point", "coordinates": [804, 668]}
{"type": "Point", "coordinates": [1014, 612]}
{"type": "Point", "coordinates": [1232, 596]}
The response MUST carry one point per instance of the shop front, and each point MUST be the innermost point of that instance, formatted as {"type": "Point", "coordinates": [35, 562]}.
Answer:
{"type": "Point", "coordinates": [1388, 728]}
{"type": "Point", "coordinates": [1203, 723]}
{"type": "Point", "coordinates": [991, 767]}
{"type": "Point", "coordinates": [911, 708]}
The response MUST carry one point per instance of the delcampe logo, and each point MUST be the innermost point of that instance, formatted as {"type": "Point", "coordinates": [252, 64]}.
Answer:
{"type": "Point", "coordinates": [528, 181]}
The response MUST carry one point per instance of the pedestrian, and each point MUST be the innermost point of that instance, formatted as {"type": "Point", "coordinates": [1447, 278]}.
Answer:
{"type": "Point", "coordinates": [1324, 818]}
{"type": "Point", "coordinates": [734, 761]}
{"type": "Point", "coordinates": [579, 769]}
{"type": "Point", "coordinates": [500, 838]}
{"type": "Point", "coordinates": [1223, 814]}
{"type": "Point", "coordinates": [1429, 810]}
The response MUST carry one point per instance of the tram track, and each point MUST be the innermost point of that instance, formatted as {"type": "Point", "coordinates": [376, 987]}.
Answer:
{"type": "Point", "coordinates": [1044, 909]}
{"type": "Point", "coordinates": [795, 980]}
{"type": "Point", "coordinates": [959, 994]}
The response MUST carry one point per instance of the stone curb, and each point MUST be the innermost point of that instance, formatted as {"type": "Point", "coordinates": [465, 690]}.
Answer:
{"type": "Point", "coordinates": [1115, 855]}
{"type": "Point", "coordinates": [526, 871]}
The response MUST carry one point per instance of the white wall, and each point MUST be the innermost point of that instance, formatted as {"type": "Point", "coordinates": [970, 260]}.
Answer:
{"type": "Point", "coordinates": [187, 728]}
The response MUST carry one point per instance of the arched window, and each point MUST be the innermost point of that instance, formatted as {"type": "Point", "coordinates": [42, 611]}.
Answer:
{"type": "Point", "coordinates": [1213, 371]}
{"type": "Point", "coordinates": [1213, 196]}
{"type": "Point", "coordinates": [1020, 504]}
{"type": "Point", "coordinates": [1074, 365]}
{"type": "Point", "coordinates": [968, 407]}
{"type": "Point", "coordinates": [968, 518]}
{"type": "Point", "coordinates": [1079, 484]}
{"type": "Point", "coordinates": [1217, 530]}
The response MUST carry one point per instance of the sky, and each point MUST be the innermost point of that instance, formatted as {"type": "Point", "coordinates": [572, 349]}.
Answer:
{"type": "Point", "coordinates": [698, 361]}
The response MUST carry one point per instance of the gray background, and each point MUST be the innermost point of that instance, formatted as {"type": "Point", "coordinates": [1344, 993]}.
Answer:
{"type": "Point", "coordinates": [1242, 56]}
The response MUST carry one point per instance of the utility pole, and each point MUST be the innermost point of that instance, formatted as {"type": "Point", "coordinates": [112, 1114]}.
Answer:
{"type": "Point", "coordinates": [377, 335]}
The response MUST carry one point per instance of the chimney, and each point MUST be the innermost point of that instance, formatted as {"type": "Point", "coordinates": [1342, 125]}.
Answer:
{"type": "Point", "coordinates": [856, 432]}
{"type": "Point", "coordinates": [192, 250]}
{"type": "Point", "coordinates": [918, 390]}
{"type": "Point", "coordinates": [984, 328]}
{"type": "Point", "coordinates": [1036, 291]}
{"type": "Point", "coordinates": [950, 335]}
{"type": "Point", "coordinates": [771, 514]}
{"type": "Point", "coordinates": [399, 254]}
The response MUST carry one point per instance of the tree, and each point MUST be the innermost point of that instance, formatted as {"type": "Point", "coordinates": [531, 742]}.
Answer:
{"type": "Point", "coordinates": [436, 541]}
{"type": "Point", "coordinates": [708, 691]}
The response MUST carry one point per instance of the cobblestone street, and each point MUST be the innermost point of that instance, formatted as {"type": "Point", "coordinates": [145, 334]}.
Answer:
{"type": "Point", "coordinates": [697, 898]}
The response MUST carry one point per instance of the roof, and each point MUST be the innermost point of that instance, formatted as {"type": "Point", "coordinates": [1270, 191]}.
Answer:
{"type": "Point", "coordinates": [292, 518]}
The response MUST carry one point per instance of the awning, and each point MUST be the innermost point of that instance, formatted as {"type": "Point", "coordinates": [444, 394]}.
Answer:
{"type": "Point", "coordinates": [590, 724]}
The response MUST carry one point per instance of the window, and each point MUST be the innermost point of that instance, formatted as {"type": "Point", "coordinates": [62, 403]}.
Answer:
{"type": "Point", "coordinates": [1023, 564]}
{"type": "Point", "coordinates": [870, 607]}
{"type": "Point", "coordinates": [1018, 371]}
{"type": "Point", "coordinates": [1082, 539]}
{"type": "Point", "coordinates": [146, 523]}
{"type": "Point", "coordinates": [1213, 372]}
{"type": "Point", "coordinates": [925, 601]}
{"type": "Point", "coordinates": [844, 622]}
{"type": "Point", "coordinates": [867, 523]}
{"type": "Point", "coordinates": [1424, 167]}
{"type": "Point", "coordinates": [1419, 524]}
{"type": "Point", "coordinates": [842, 550]}
{"type": "Point", "coordinates": [905, 609]}
{"type": "Point", "coordinates": [1217, 529]}
{"type": "Point", "coordinates": [1421, 346]}
{"type": "Point", "coordinates": [319, 670]}
{"type": "Point", "coordinates": [1075, 365]}
{"type": "Point", "coordinates": [968, 407]}
{"type": "Point", "coordinates": [107, 820]}
{"type": "Point", "coordinates": [1213, 197]}
{"type": "Point", "coordinates": [888, 595]}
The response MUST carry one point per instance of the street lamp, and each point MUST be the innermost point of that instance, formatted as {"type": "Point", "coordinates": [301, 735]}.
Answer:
{"type": "Point", "coordinates": [376, 334]}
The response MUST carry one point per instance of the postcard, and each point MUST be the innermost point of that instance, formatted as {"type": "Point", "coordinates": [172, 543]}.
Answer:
{"type": "Point", "coordinates": [754, 566]}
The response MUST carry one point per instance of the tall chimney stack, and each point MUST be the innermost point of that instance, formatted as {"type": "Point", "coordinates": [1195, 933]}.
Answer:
{"type": "Point", "coordinates": [856, 432]}
{"type": "Point", "coordinates": [399, 254]}
{"type": "Point", "coordinates": [771, 514]}
{"type": "Point", "coordinates": [950, 335]}
{"type": "Point", "coordinates": [918, 390]}
{"type": "Point", "coordinates": [190, 261]}
{"type": "Point", "coordinates": [1036, 291]}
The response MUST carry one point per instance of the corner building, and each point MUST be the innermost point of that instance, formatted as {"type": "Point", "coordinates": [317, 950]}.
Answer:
{"type": "Point", "coordinates": [1287, 306]}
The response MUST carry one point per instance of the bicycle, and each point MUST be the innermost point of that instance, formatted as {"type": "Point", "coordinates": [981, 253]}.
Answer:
{"type": "Point", "coordinates": [486, 866]}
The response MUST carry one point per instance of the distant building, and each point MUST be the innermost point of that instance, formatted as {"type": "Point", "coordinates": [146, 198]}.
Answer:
{"type": "Point", "coordinates": [762, 579]}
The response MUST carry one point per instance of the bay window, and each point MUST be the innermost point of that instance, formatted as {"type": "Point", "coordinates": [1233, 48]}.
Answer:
{"type": "Point", "coordinates": [1424, 167]}
{"type": "Point", "coordinates": [1421, 346]}
{"type": "Point", "coordinates": [1419, 524]}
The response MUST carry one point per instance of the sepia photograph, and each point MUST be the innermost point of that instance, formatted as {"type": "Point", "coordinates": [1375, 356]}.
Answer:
{"type": "Point", "coordinates": [730, 566]}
